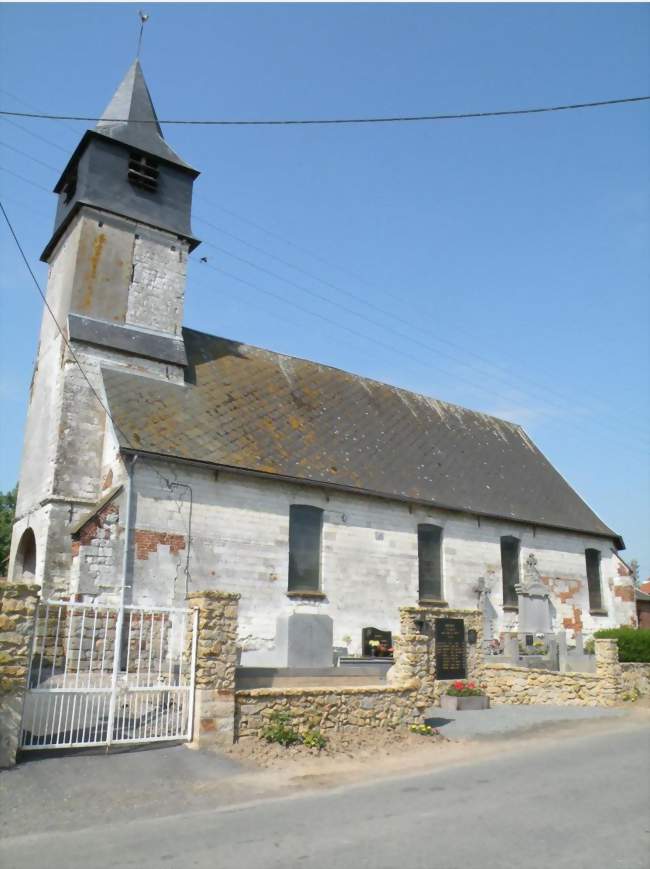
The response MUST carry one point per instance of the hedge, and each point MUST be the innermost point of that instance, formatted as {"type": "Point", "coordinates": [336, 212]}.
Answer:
{"type": "Point", "coordinates": [633, 643]}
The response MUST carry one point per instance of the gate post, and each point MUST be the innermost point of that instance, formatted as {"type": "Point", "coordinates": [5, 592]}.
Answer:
{"type": "Point", "coordinates": [216, 660]}
{"type": "Point", "coordinates": [18, 602]}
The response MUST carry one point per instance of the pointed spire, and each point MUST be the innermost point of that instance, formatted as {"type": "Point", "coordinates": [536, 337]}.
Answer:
{"type": "Point", "coordinates": [131, 103]}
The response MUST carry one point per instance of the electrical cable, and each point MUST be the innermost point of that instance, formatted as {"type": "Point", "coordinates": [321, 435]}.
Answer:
{"type": "Point", "coordinates": [324, 121]}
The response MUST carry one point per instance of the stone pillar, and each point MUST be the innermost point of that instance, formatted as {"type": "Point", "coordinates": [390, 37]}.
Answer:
{"type": "Point", "coordinates": [415, 651]}
{"type": "Point", "coordinates": [17, 607]}
{"type": "Point", "coordinates": [609, 670]}
{"type": "Point", "coordinates": [216, 660]}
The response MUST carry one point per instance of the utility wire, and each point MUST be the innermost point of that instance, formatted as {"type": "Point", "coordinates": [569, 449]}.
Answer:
{"type": "Point", "coordinates": [322, 121]}
{"type": "Point", "coordinates": [29, 156]}
{"type": "Point", "coordinates": [36, 135]}
{"type": "Point", "coordinates": [504, 376]}
{"type": "Point", "coordinates": [56, 323]}
{"type": "Point", "coordinates": [402, 353]}
{"type": "Point", "coordinates": [320, 296]}
{"type": "Point", "coordinates": [369, 283]}
{"type": "Point", "coordinates": [170, 485]}
{"type": "Point", "coordinates": [25, 180]}
{"type": "Point", "coordinates": [506, 380]}
{"type": "Point", "coordinates": [408, 338]}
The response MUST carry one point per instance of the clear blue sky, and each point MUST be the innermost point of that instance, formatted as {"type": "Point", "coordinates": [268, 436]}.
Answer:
{"type": "Point", "coordinates": [509, 257]}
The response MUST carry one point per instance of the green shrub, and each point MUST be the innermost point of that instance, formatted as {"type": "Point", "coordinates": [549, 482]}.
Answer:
{"type": "Point", "coordinates": [633, 643]}
{"type": "Point", "coordinates": [280, 730]}
{"type": "Point", "coordinates": [314, 739]}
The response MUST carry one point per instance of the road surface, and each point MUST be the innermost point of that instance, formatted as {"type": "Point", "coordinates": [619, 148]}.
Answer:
{"type": "Point", "coordinates": [569, 803]}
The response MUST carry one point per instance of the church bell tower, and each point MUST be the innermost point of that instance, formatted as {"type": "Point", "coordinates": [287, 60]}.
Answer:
{"type": "Point", "coordinates": [116, 284]}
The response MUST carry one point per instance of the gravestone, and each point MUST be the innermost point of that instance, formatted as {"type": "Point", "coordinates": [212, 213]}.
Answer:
{"type": "Point", "coordinates": [534, 602]}
{"type": "Point", "coordinates": [450, 648]}
{"type": "Point", "coordinates": [304, 640]}
{"type": "Point", "coordinates": [375, 642]}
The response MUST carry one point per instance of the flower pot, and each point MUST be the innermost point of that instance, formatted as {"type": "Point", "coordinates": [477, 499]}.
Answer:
{"type": "Point", "coordinates": [459, 704]}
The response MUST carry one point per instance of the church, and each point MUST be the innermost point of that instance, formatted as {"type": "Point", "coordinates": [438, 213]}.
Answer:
{"type": "Point", "coordinates": [159, 459]}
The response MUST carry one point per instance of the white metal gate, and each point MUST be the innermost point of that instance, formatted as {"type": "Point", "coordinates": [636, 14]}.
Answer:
{"type": "Point", "coordinates": [101, 675]}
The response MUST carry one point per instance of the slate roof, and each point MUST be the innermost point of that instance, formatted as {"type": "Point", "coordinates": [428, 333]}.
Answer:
{"type": "Point", "coordinates": [131, 103]}
{"type": "Point", "coordinates": [247, 408]}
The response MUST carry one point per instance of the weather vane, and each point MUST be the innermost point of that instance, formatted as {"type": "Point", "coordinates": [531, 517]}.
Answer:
{"type": "Point", "coordinates": [144, 17]}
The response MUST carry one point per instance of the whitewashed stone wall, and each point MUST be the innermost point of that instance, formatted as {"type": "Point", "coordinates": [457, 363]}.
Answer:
{"type": "Point", "coordinates": [70, 455]}
{"type": "Point", "coordinates": [239, 543]}
{"type": "Point", "coordinates": [157, 291]}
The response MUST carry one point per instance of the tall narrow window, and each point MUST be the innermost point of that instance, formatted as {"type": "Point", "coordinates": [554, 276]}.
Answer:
{"type": "Point", "coordinates": [305, 525]}
{"type": "Point", "coordinates": [430, 562]}
{"type": "Point", "coordinates": [510, 569]}
{"type": "Point", "coordinates": [592, 557]}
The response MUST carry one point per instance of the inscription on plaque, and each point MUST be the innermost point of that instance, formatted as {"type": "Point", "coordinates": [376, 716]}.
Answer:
{"type": "Point", "coordinates": [450, 649]}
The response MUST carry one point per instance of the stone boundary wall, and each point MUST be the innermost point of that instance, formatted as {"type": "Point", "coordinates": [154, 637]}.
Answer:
{"type": "Point", "coordinates": [216, 661]}
{"type": "Point", "coordinates": [17, 606]}
{"type": "Point", "coordinates": [636, 677]}
{"type": "Point", "coordinates": [505, 683]}
{"type": "Point", "coordinates": [328, 709]}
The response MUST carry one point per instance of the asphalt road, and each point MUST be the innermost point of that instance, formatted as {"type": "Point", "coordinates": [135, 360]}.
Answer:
{"type": "Point", "coordinates": [574, 803]}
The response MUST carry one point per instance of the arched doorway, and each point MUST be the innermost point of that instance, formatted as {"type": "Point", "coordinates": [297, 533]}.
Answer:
{"type": "Point", "coordinates": [25, 564]}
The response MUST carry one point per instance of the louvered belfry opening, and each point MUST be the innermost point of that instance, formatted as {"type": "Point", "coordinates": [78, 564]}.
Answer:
{"type": "Point", "coordinates": [143, 171]}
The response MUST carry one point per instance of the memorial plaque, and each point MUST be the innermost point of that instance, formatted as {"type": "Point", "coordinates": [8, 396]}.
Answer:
{"type": "Point", "coordinates": [450, 649]}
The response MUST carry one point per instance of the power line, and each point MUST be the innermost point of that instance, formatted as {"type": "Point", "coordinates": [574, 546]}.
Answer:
{"type": "Point", "coordinates": [56, 322]}
{"type": "Point", "coordinates": [321, 297]}
{"type": "Point", "coordinates": [26, 180]}
{"type": "Point", "coordinates": [29, 156]}
{"type": "Point", "coordinates": [504, 376]}
{"type": "Point", "coordinates": [36, 135]}
{"type": "Point", "coordinates": [507, 380]}
{"type": "Point", "coordinates": [402, 353]}
{"type": "Point", "coordinates": [323, 121]}
{"type": "Point", "coordinates": [373, 322]}
{"type": "Point", "coordinates": [170, 485]}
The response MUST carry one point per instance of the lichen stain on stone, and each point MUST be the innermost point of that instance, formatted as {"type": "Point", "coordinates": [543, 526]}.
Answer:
{"type": "Point", "coordinates": [89, 284]}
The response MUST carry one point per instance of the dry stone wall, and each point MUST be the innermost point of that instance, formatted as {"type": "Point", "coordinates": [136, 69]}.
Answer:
{"type": "Point", "coordinates": [17, 605]}
{"type": "Point", "coordinates": [505, 683]}
{"type": "Point", "coordinates": [328, 709]}
{"type": "Point", "coordinates": [636, 677]}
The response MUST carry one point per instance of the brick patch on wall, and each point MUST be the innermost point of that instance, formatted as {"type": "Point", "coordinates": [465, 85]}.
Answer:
{"type": "Point", "coordinates": [94, 528]}
{"type": "Point", "coordinates": [575, 623]}
{"type": "Point", "coordinates": [148, 541]}
{"type": "Point", "coordinates": [625, 592]}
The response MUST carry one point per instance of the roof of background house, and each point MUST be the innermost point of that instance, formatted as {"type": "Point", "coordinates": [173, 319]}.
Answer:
{"type": "Point", "coordinates": [253, 409]}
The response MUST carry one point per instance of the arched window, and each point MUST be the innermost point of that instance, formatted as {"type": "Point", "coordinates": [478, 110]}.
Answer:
{"type": "Point", "coordinates": [25, 564]}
